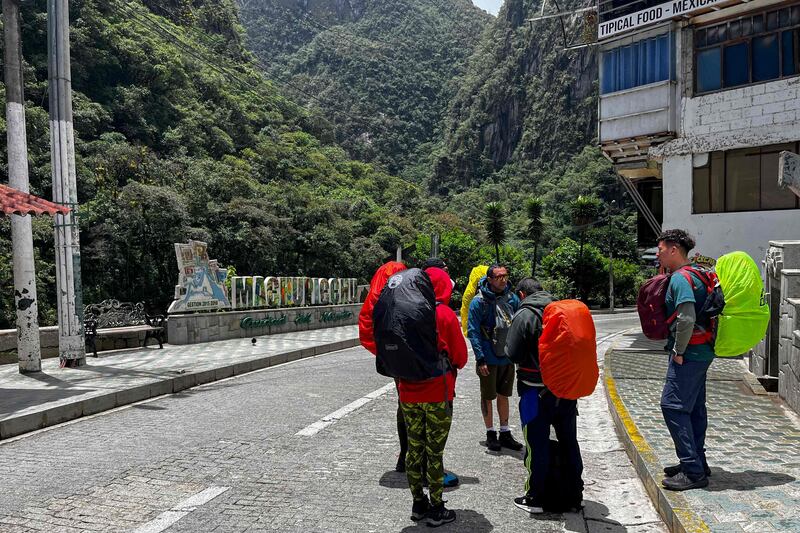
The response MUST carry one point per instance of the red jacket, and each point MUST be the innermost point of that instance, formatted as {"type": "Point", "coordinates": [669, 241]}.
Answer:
{"type": "Point", "coordinates": [382, 275]}
{"type": "Point", "coordinates": [451, 340]}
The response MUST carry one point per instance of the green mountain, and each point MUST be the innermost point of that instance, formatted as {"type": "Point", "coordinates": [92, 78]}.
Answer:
{"type": "Point", "coordinates": [179, 135]}
{"type": "Point", "coordinates": [524, 99]}
{"type": "Point", "coordinates": [382, 73]}
{"type": "Point", "coordinates": [523, 124]}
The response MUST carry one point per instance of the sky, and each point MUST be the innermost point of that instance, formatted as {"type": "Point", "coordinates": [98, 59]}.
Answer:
{"type": "Point", "coordinates": [492, 6]}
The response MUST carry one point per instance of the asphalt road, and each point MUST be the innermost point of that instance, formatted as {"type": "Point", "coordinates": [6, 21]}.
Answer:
{"type": "Point", "coordinates": [228, 457]}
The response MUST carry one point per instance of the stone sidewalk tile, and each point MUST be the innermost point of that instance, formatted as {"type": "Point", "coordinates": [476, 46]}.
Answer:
{"type": "Point", "coordinates": [33, 401]}
{"type": "Point", "coordinates": [752, 445]}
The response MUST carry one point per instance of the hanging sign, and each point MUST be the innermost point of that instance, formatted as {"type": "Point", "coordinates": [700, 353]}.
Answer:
{"type": "Point", "coordinates": [652, 15]}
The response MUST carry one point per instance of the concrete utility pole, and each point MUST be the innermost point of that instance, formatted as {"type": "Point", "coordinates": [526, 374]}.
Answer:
{"type": "Point", "coordinates": [25, 301]}
{"type": "Point", "coordinates": [71, 347]}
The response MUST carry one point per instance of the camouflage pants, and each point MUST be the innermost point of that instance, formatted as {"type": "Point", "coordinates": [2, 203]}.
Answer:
{"type": "Point", "coordinates": [428, 425]}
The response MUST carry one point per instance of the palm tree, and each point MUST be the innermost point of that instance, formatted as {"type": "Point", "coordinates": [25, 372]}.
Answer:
{"type": "Point", "coordinates": [534, 208]}
{"type": "Point", "coordinates": [495, 227]}
{"type": "Point", "coordinates": [584, 210]}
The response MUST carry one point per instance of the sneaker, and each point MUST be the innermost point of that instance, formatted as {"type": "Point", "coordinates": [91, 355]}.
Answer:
{"type": "Point", "coordinates": [420, 509]}
{"type": "Point", "coordinates": [401, 463]}
{"type": "Point", "coordinates": [450, 479]}
{"type": "Point", "coordinates": [507, 441]}
{"type": "Point", "coordinates": [491, 441]}
{"type": "Point", "coordinates": [681, 481]}
{"type": "Point", "coordinates": [673, 470]}
{"type": "Point", "coordinates": [440, 515]}
{"type": "Point", "coordinates": [527, 504]}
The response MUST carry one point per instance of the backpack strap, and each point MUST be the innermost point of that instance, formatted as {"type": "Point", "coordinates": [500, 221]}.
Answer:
{"type": "Point", "coordinates": [700, 335]}
{"type": "Point", "coordinates": [539, 313]}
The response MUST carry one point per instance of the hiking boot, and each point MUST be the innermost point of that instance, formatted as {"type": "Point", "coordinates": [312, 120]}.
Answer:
{"type": "Point", "coordinates": [420, 509]}
{"type": "Point", "coordinates": [529, 505]}
{"type": "Point", "coordinates": [673, 470]}
{"type": "Point", "coordinates": [450, 479]}
{"type": "Point", "coordinates": [440, 515]}
{"type": "Point", "coordinates": [681, 481]}
{"type": "Point", "coordinates": [491, 441]}
{"type": "Point", "coordinates": [401, 463]}
{"type": "Point", "coordinates": [507, 441]}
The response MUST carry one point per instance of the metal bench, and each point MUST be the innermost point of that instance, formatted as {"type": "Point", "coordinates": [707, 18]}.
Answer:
{"type": "Point", "coordinates": [112, 316]}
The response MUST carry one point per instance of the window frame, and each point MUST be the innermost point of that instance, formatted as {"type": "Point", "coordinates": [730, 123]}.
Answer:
{"type": "Point", "coordinates": [724, 192]}
{"type": "Point", "coordinates": [722, 44]}
{"type": "Point", "coordinates": [639, 42]}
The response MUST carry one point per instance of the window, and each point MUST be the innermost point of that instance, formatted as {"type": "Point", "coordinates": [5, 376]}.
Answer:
{"type": "Point", "coordinates": [742, 180]}
{"type": "Point", "coordinates": [639, 63]}
{"type": "Point", "coordinates": [751, 49]}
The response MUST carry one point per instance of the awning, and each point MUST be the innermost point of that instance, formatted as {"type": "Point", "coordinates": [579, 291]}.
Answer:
{"type": "Point", "coordinates": [15, 202]}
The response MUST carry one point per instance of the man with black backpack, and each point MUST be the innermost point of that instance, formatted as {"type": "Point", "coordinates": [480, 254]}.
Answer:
{"type": "Point", "coordinates": [419, 342]}
{"type": "Point", "coordinates": [490, 315]}
{"type": "Point", "coordinates": [554, 469]}
{"type": "Point", "coordinates": [690, 345]}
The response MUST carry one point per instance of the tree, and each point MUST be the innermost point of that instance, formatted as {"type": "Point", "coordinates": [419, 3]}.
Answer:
{"type": "Point", "coordinates": [534, 209]}
{"type": "Point", "coordinates": [584, 211]}
{"type": "Point", "coordinates": [495, 227]}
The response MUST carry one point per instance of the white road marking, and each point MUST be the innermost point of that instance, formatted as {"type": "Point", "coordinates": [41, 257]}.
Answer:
{"type": "Point", "coordinates": [602, 318]}
{"type": "Point", "coordinates": [167, 518]}
{"type": "Point", "coordinates": [325, 421]}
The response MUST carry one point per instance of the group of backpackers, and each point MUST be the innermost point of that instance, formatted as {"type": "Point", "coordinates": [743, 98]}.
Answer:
{"type": "Point", "coordinates": [406, 321]}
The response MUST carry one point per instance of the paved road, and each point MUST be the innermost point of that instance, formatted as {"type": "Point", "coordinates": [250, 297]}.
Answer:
{"type": "Point", "coordinates": [226, 457]}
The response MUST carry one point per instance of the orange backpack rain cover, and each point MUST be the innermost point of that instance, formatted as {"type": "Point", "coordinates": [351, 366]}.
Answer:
{"type": "Point", "coordinates": [568, 350]}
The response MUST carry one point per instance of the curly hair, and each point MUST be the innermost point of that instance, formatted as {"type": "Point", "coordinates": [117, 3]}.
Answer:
{"type": "Point", "coordinates": [678, 237]}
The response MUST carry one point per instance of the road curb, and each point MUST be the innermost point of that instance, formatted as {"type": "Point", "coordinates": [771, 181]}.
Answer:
{"type": "Point", "coordinates": [19, 425]}
{"type": "Point", "coordinates": [672, 506]}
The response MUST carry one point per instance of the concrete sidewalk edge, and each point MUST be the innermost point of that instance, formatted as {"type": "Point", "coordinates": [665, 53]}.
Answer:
{"type": "Point", "coordinates": [19, 425]}
{"type": "Point", "coordinates": [672, 506]}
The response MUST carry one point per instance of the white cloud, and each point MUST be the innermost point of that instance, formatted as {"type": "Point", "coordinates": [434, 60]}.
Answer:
{"type": "Point", "coordinates": [492, 6]}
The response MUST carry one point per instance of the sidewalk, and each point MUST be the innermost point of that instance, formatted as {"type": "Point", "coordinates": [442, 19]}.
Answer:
{"type": "Point", "coordinates": [33, 401]}
{"type": "Point", "coordinates": [753, 444]}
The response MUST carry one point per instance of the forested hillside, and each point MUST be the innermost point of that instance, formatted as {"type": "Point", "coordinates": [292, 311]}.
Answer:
{"type": "Point", "coordinates": [179, 136]}
{"type": "Point", "coordinates": [523, 124]}
{"type": "Point", "coordinates": [382, 73]}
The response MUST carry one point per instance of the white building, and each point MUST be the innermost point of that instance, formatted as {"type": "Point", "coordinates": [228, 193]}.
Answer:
{"type": "Point", "coordinates": [698, 97]}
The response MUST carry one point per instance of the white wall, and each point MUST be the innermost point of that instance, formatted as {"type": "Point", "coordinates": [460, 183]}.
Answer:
{"type": "Point", "coordinates": [720, 233]}
{"type": "Point", "coordinates": [758, 115]}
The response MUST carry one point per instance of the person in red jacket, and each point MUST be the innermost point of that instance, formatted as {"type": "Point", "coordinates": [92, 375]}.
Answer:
{"type": "Point", "coordinates": [379, 279]}
{"type": "Point", "coordinates": [427, 409]}
{"type": "Point", "coordinates": [367, 337]}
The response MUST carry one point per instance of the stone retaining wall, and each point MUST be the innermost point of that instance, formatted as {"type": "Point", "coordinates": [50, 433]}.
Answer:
{"type": "Point", "coordinates": [206, 327]}
{"type": "Point", "coordinates": [48, 336]}
{"type": "Point", "coordinates": [789, 350]}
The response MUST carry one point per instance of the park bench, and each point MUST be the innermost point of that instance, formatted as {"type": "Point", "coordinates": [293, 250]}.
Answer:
{"type": "Point", "coordinates": [115, 318]}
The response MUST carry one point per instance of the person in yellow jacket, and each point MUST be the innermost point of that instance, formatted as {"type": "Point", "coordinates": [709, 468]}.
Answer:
{"type": "Point", "coordinates": [469, 293]}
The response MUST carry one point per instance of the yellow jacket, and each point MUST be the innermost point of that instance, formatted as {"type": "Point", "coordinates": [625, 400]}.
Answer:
{"type": "Point", "coordinates": [469, 293]}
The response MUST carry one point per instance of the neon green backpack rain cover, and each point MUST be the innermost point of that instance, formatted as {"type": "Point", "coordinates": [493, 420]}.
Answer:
{"type": "Point", "coordinates": [743, 322]}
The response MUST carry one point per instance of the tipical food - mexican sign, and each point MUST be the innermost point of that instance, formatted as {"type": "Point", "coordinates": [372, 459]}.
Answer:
{"type": "Point", "coordinates": [652, 15]}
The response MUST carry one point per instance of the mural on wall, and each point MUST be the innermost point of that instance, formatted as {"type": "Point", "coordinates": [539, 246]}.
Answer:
{"type": "Point", "coordinates": [201, 282]}
{"type": "Point", "coordinates": [203, 286]}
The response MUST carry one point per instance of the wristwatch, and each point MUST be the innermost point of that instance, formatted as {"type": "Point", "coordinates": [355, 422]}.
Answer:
{"type": "Point", "coordinates": [674, 353]}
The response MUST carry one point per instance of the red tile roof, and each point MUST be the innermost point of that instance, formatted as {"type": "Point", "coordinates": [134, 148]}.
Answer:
{"type": "Point", "coordinates": [14, 201]}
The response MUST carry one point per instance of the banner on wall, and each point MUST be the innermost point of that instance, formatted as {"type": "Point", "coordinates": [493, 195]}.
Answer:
{"type": "Point", "coordinates": [204, 286]}
{"type": "Point", "coordinates": [201, 282]}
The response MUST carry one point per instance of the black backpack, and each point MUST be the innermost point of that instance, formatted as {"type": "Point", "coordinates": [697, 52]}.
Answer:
{"type": "Point", "coordinates": [404, 322]}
